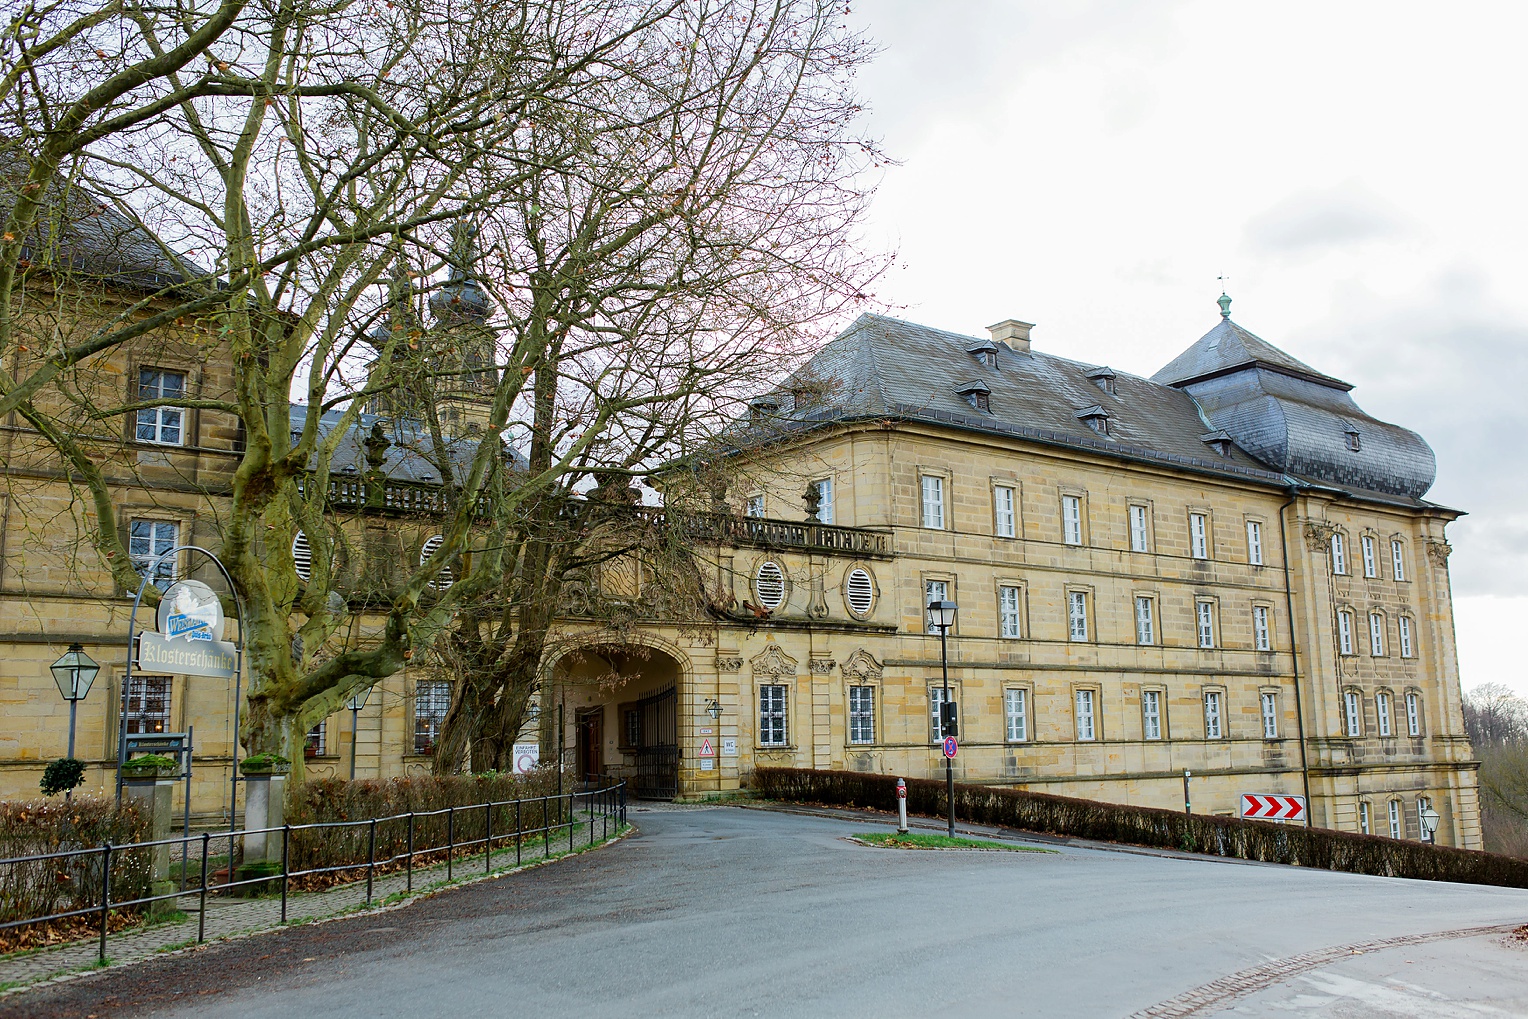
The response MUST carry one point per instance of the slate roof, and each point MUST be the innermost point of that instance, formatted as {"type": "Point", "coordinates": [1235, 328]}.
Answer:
{"type": "Point", "coordinates": [1228, 347]}
{"type": "Point", "coordinates": [404, 459]}
{"type": "Point", "coordinates": [884, 367]}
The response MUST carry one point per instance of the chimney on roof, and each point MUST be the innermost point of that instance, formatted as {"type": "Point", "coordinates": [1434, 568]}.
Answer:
{"type": "Point", "coordinates": [1013, 333]}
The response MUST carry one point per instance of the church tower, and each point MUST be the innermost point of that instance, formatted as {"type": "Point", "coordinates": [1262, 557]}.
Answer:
{"type": "Point", "coordinates": [462, 346]}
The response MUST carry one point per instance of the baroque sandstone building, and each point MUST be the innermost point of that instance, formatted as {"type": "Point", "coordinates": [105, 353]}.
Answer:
{"type": "Point", "coordinates": [1227, 568]}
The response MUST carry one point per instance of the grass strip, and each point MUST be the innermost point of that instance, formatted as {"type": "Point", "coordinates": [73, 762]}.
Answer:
{"type": "Point", "coordinates": [918, 840]}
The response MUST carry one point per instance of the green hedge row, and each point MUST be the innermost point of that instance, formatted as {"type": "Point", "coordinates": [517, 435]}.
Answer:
{"type": "Point", "coordinates": [40, 887]}
{"type": "Point", "coordinates": [1146, 826]}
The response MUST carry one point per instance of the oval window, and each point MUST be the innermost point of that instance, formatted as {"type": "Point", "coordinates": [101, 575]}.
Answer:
{"type": "Point", "coordinates": [770, 582]}
{"type": "Point", "coordinates": [859, 591]}
{"type": "Point", "coordinates": [302, 557]}
{"type": "Point", "coordinates": [444, 578]}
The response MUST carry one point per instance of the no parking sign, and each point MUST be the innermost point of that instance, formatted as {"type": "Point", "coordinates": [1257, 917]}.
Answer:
{"type": "Point", "coordinates": [527, 756]}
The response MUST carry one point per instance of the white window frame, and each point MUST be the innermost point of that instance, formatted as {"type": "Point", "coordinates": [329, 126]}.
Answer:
{"type": "Point", "coordinates": [774, 720]}
{"type": "Point", "coordinates": [1071, 519]}
{"type": "Point", "coordinates": [934, 590]}
{"type": "Point", "coordinates": [1403, 623]}
{"type": "Point", "coordinates": [1269, 700]}
{"type": "Point", "coordinates": [1086, 701]}
{"type": "Point", "coordinates": [1009, 598]}
{"type": "Point", "coordinates": [1413, 713]}
{"type": "Point", "coordinates": [1077, 615]}
{"type": "Point", "coordinates": [1364, 821]}
{"type": "Point", "coordinates": [1339, 554]}
{"type": "Point", "coordinates": [1151, 714]}
{"type": "Point", "coordinates": [154, 424]}
{"type": "Point", "coordinates": [1255, 542]}
{"type": "Point", "coordinates": [1262, 635]}
{"type": "Point", "coordinates": [1016, 714]}
{"type": "Point", "coordinates": [1377, 634]}
{"type": "Point", "coordinates": [147, 540]}
{"type": "Point", "coordinates": [1140, 528]}
{"type": "Point", "coordinates": [861, 715]}
{"type": "Point", "coordinates": [1371, 568]}
{"type": "Point", "coordinates": [932, 487]}
{"type": "Point", "coordinates": [935, 699]}
{"type": "Point", "coordinates": [1395, 819]}
{"type": "Point", "coordinates": [754, 507]}
{"type": "Point", "coordinates": [1145, 620]}
{"type": "Point", "coordinates": [824, 488]}
{"type": "Point", "coordinates": [1004, 514]}
{"type": "Point", "coordinates": [1382, 713]}
{"type": "Point", "coordinates": [1398, 559]}
{"type": "Point", "coordinates": [1214, 714]}
{"type": "Point", "coordinates": [1199, 535]}
{"type": "Point", "coordinates": [1352, 714]}
{"type": "Point", "coordinates": [1204, 623]}
{"type": "Point", "coordinates": [1344, 632]}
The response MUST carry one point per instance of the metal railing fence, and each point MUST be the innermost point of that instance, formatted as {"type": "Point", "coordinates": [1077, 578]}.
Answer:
{"type": "Point", "coordinates": [401, 838]}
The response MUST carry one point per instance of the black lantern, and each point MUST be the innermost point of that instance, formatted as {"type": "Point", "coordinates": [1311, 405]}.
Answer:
{"type": "Point", "coordinates": [74, 673]}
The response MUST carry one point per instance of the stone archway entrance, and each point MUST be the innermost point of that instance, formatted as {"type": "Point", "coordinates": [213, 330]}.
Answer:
{"type": "Point", "coordinates": [621, 706]}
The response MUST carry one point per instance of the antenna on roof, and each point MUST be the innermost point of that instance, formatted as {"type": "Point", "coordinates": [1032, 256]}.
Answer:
{"type": "Point", "coordinates": [1224, 300]}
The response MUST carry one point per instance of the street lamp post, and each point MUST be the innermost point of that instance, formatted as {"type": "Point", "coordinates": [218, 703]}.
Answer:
{"type": "Point", "coordinates": [357, 702]}
{"type": "Point", "coordinates": [74, 673]}
{"type": "Point", "coordinates": [1429, 819]}
{"type": "Point", "coordinates": [941, 614]}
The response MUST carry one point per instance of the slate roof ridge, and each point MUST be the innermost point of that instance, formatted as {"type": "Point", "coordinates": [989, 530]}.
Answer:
{"type": "Point", "coordinates": [1230, 347]}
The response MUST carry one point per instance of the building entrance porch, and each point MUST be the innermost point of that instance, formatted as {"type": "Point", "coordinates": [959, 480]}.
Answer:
{"type": "Point", "coordinates": [622, 707]}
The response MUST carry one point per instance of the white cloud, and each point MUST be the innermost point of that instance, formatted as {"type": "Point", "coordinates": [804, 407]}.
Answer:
{"type": "Point", "coordinates": [1317, 220]}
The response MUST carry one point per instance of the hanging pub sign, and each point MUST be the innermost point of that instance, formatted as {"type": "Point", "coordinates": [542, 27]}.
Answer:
{"type": "Point", "coordinates": [189, 641]}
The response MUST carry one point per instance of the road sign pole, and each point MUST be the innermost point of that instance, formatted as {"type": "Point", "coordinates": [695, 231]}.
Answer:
{"type": "Point", "coordinates": [944, 709]}
{"type": "Point", "coordinates": [1187, 807]}
{"type": "Point", "coordinates": [901, 806]}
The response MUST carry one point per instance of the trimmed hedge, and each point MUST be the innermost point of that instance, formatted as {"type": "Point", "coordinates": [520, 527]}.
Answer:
{"type": "Point", "coordinates": [1147, 826]}
{"type": "Point", "coordinates": [40, 887]}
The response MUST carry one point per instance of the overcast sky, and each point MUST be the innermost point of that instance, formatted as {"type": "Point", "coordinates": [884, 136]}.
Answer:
{"type": "Point", "coordinates": [1355, 169]}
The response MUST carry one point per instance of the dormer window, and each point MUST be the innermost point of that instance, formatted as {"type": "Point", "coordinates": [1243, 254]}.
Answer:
{"type": "Point", "coordinates": [1103, 378]}
{"type": "Point", "coordinates": [977, 395]}
{"type": "Point", "coordinates": [1094, 417]}
{"type": "Point", "coordinates": [1219, 441]}
{"type": "Point", "coordinates": [1355, 442]}
{"type": "Point", "coordinates": [985, 354]}
{"type": "Point", "coordinates": [763, 408]}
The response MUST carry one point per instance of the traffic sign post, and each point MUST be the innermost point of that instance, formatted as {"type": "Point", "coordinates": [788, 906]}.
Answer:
{"type": "Point", "coordinates": [950, 746]}
{"type": "Point", "coordinates": [1272, 807]}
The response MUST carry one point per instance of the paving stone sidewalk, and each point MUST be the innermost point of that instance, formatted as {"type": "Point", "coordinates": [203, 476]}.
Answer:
{"type": "Point", "coordinates": [233, 917]}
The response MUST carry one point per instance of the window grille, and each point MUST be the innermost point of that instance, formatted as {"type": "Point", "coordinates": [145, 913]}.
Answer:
{"type": "Point", "coordinates": [860, 590]}
{"type": "Point", "coordinates": [1363, 817]}
{"type": "Point", "coordinates": [444, 578]}
{"type": "Point", "coordinates": [770, 583]}
{"type": "Point", "coordinates": [1404, 624]}
{"type": "Point", "coordinates": [302, 557]}
{"type": "Point", "coordinates": [1352, 714]}
{"type": "Point", "coordinates": [148, 704]}
{"type": "Point", "coordinates": [1339, 555]}
{"type": "Point", "coordinates": [862, 714]}
{"type": "Point", "coordinates": [432, 698]}
{"type": "Point", "coordinates": [824, 500]}
{"type": "Point", "coordinates": [1395, 819]}
{"type": "Point", "coordinates": [313, 744]}
{"type": "Point", "coordinates": [1413, 714]}
{"type": "Point", "coordinates": [772, 732]}
{"type": "Point", "coordinates": [1345, 632]}
{"type": "Point", "coordinates": [1376, 634]}
{"type": "Point", "coordinates": [1398, 560]}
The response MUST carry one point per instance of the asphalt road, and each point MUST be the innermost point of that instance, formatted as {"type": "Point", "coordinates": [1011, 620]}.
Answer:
{"type": "Point", "coordinates": [733, 912]}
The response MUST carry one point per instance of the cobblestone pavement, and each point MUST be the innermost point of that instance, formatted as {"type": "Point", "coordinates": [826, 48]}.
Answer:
{"type": "Point", "coordinates": [232, 917]}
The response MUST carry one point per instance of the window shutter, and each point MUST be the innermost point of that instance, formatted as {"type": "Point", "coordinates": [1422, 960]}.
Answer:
{"type": "Point", "coordinates": [444, 578]}
{"type": "Point", "coordinates": [302, 557]}
{"type": "Point", "coordinates": [861, 591]}
{"type": "Point", "coordinates": [770, 583]}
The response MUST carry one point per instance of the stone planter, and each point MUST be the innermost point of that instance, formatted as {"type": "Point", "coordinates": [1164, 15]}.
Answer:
{"type": "Point", "coordinates": [265, 779]}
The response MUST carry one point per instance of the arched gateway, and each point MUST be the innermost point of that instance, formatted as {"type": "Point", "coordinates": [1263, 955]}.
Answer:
{"type": "Point", "coordinates": [617, 709]}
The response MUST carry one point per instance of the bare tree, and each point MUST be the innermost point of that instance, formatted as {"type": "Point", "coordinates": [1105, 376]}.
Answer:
{"type": "Point", "coordinates": [1495, 715]}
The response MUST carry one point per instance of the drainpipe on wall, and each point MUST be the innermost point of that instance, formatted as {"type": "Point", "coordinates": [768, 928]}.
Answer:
{"type": "Point", "coordinates": [1294, 656]}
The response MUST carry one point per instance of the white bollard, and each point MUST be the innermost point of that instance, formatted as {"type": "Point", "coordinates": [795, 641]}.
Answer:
{"type": "Point", "coordinates": [901, 807]}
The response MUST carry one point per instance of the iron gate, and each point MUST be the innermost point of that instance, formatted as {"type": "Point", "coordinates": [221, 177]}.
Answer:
{"type": "Point", "coordinates": [657, 755]}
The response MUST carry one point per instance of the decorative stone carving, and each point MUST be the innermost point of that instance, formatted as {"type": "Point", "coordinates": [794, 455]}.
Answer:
{"type": "Point", "coordinates": [729, 664]}
{"type": "Point", "coordinates": [1438, 552]}
{"type": "Point", "coordinates": [1318, 535]}
{"type": "Point", "coordinates": [773, 662]}
{"type": "Point", "coordinates": [821, 666]}
{"type": "Point", "coordinates": [861, 665]}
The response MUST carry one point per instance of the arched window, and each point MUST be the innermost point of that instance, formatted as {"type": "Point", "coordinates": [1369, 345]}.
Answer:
{"type": "Point", "coordinates": [444, 578]}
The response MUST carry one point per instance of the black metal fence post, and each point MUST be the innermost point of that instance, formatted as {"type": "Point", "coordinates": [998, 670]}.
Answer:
{"type": "Point", "coordinates": [519, 833]}
{"type": "Point", "coordinates": [371, 857]}
{"type": "Point", "coordinates": [409, 866]}
{"type": "Point", "coordinates": [589, 809]}
{"type": "Point", "coordinates": [201, 916]}
{"type": "Point", "coordinates": [286, 870]}
{"type": "Point", "coordinates": [105, 894]}
{"type": "Point", "coordinates": [546, 831]}
{"type": "Point", "coordinates": [450, 839]}
{"type": "Point", "coordinates": [571, 799]}
{"type": "Point", "coordinates": [488, 837]}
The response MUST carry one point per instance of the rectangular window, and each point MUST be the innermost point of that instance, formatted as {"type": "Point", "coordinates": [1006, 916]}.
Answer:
{"type": "Point", "coordinates": [1339, 555]}
{"type": "Point", "coordinates": [935, 705]}
{"type": "Point", "coordinates": [313, 744]}
{"type": "Point", "coordinates": [772, 732]}
{"type": "Point", "coordinates": [824, 500]}
{"type": "Point", "coordinates": [1398, 560]}
{"type": "Point", "coordinates": [1395, 819]}
{"type": "Point", "coordinates": [1376, 634]}
{"type": "Point", "coordinates": [431, 700]}
{"type": "Point", "coordinates": [933, 502]}
{"type": "Point", "coordinates": [1404, 624]}
{"type": "Point", "coordinates": [147, 540]}
{"type": "Point", "coordinates": [1413, 715]}
{"type": "Point", "coordinates": [1138, 533]}
{"type": "Point", "coordinates": [1254, 543]}
{"type": "Point", "coordinates": [934, 590]}
{"type": "Point", "coordinates": [862, 714]}
{"type": "Point", "coordinates": [754, 507]}
{"type": "Point", "coordinates": [1016, 710]}
{"type": "Point", "coordinates": [1077, 610]}
{"type": "Point", "coordinates": [1352, 712]}
{"type": "Point", "coordinates": [1198, 536]}
{"type": "Point", "coordinates": [162, 425]}
{"type": "Point", "coordinates": [1145, 629]}
{"type": "Point", "coordinates": [1345, 632]}
{"type": "Point", "coordinates": [1363, 817]}
{"type": "Point", "coordinates": [1424, 804]}
{"type": "Point", "coordinates": [1151, 714]}
{"type": "Point", "coordinates": [1212, 729]}
{"type": "Point", "coordinates": [1071, 519]}
{"type": "Point", "coordinates": [633, 727]}
{"type": "Point", "coordinates": [1261, 639]}
{"type": "Point", "coordinates": [148, 704]}
{"type": "Point", "coordinates": [1204, 613]}
{"type": "Point", "coordinates": [1008, 612]}
{"type": "Point", "coordinates": [1003, 521]}
{"type": "Point", "coordinates": [1086, 727]}
{"type": "Point", "coordinates": [1370, 568]}
{"type": "Point", "coordinates": [1270, 702]}
{"type": "Point", "coordinates": [1382, 713]}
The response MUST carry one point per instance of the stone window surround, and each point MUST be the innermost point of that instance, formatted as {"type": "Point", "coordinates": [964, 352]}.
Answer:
{"type": "Point", "coordinates": [1164, 732]}
{"type": "Point", "coordinates": [1084, 532]}
{"type": "Point", "coordinates": [1001, 581]}
{"type": "Point", "coordinates": [1131, 504]}
{"type": "Point", "coordinates": [1224, 699]}
{"type": "Point", "coordinates": [946, 477]}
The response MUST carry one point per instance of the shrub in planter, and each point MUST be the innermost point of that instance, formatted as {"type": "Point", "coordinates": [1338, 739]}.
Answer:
{"type": "Point", "coordinates": [62, 775]}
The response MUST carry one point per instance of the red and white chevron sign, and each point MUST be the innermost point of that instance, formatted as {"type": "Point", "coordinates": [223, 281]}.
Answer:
{"type": "Point", "coordinates": [1273, 807]}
